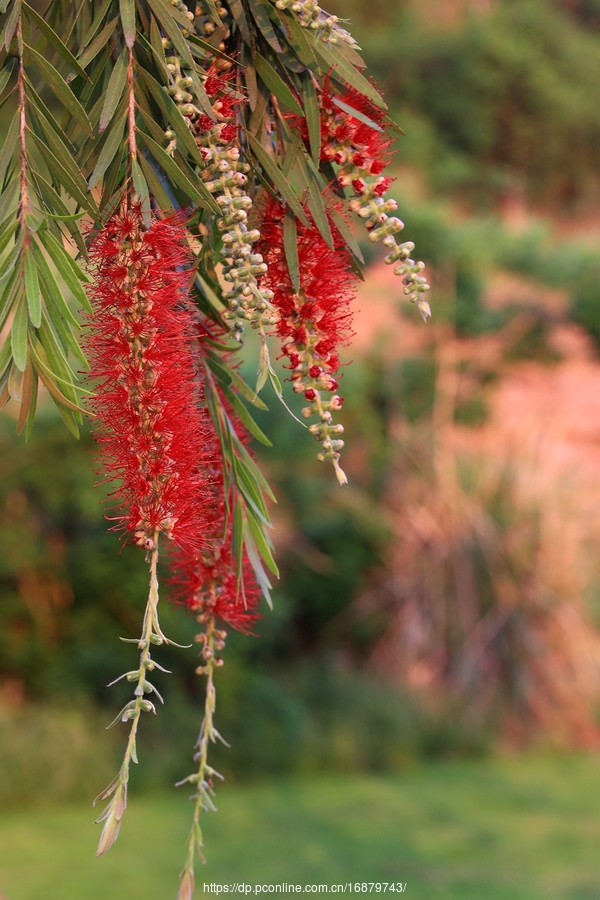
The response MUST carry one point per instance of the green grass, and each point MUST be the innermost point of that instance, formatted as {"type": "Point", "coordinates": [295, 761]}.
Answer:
{"type": "Point", "coordinates": [521, 829]}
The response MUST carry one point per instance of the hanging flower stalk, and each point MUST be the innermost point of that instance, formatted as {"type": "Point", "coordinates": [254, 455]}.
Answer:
{"type": "Point", "coordinates": [220, 597]}
{"type": "Point", "coordinates": [314, 321]}
{"type": "Point", "coordinates": [149, 427]}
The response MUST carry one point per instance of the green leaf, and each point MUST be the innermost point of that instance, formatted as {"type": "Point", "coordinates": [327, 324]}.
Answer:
{"type": "Point", "coordinates": [7, 235]}
{"type": "Point", "coordinates": [114, 91]}
{"type": "Point", "coordinates": [18, 335]}
{"type": "Point", "coordinates": [277, 177]}
{"type": "Point", "coordinates": [259, 572]}
{"type": "Point", "coordinates": [70, 218]}
{"type": "Point", "coordinates": [32, 405]}
{"type": "Point", "coordinates": [53, 201]}
{"type": "Point", "coordinates": [315, 200]}
{"type": "Point", "coordinates": [343, 228]}
{"type": "Point", "coordinates": [290, 245]}
{"type": "Point", "coordinates": [154, 183]}
{"type": "Point", "coordinates": [276, 84]}
{"type": "Point", "coordinates": [63, 405]}
{"type": "Point", "coordinates": [54, 39]}
{"type": "Point", "coordinates": [245, 417]}
{"type": "Point", "coordinates": [10, 143]}
{"type": "Point", "coordinates": [227, 376]}
{"type": "Point", "coordinates": [346, 72]}
{"type": "Point", "coordinates": [237, 11]}
{"type": "Point", "coordinates": [58, 367]}
{"type": "Point", "coordinates": [67, 267]}
{"type": "Point", "coordinates": [63, 153]}
{"type": "Point", "coordinates": [26, 396]}
{"type": "Point", "coordinates": [260, 13]}
{"type": "Point", "coordinates": [65, 177]}
{"type": "Point", "coordinates": [38, 104]}
{"type": "Point", "coordinates": [51, 290]}
{"type": "Point", "coordinates": [141, 189]}
{"type": "Point", "coordinates": [101, 15]}
{"type": "Point", "coordinates": [62, 90]}
{"type": "Point", "coordinates": [127, 11]}
{"type": "Point", "coordinates": [296, 35]}
{"type": "Point", "coordinates": [313, 118]}
{"type": "Point", "coordinates": [108, 152]}
{"type": "Point", "coordinates": [356, 114]}
{"type": "Point", "coordinates": [32, 289]}
{"type": "Point", "coordinates": [96, 46]}
{"type": "Point", "coordinates": [262, 542]}
{"type": "Point", "coordinates": [173, 171]}
{"type": "Point", "coordinates": [11, 23]}
{"type": "Point", "coordinates": [7, 68]}
{"type": "Point", "coordinates": [8, 199]}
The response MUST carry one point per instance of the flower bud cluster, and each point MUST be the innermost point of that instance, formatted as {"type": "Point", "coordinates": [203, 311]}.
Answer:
{"type": "Point", "coordinates": [310, 15]}
{"type": "Point", "coordinates": [225, 175]}
{"type": "Point", "coordinates": [361, 151]}
{"type": "Point", "coordinates": [207, 25]}
{"type": "Point", "coordinates": [310, 377]}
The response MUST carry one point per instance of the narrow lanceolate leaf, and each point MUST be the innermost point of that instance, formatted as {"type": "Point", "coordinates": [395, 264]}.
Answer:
{"type": "Point", "coordinates": [274, 173]}
{"type": "Point", "coordinates": [260, 13]}
{"type": "Point", "coordinates": [54, 39]}
{"type": "Point", "coordinates": [11, 23]}
{"type": "Point", "coordinates": [313, 119]}
{"type": "Point", "coordinates": [98, 43]}
{"type": "Point", "coordinates": [108, 152]}
{"type": "Point", "coordinates": [356, 114]}
{"type": "Point", "coordinates": [315, 199]}
{"type": "Point", "coordinates": [65, 177]}
{"type": "Point", "coordinates": [32, 289]}
{"type": "Point", "coordinates": [127, 10]}
{"type": "Point", "coordinates": [290, 245]}
{"type": "Point", "coordinates": [26, 396]}
{"type": "Point", "coordinates": [114, 91]}
{"type": "Point", "coordinates": [18, 335]}
{"type": "Point", "coordinates": [276, 84]}
{"type": "Point", "coordinates": [199, 195]}
{"type": "Point", "coordinates": [141, 188]}
{"type": "Point", "coordinates": [62, 90]}
{"type": "Point", "coordinates": [9, 145]}
{"type": "Point", "coordinates": [6, 72]}
{"type": "Point", "coordinates": [51, 290]}
{"type": "Point", "coordinates": [101, 15]}
{"type": "Point", "coordinates": [67, 268]}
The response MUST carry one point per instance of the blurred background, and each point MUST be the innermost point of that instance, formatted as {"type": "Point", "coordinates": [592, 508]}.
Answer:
{"type": "Point", "coordinates": [422, 705]}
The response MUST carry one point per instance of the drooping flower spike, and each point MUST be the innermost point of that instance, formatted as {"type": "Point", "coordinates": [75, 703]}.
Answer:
{"type": "Point", "coordinates": [314, 320]}
{"type": "Point", "coordinates": [353, 137]}
{"type": "Point", "coordinates": [142, 349]}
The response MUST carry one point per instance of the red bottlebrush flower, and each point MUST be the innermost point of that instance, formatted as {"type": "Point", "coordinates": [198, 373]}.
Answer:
{"type": "Point", "coordinates": [207, 582]}
{"type": "Point", "coordinates": [313, 322]}
{"type": "Point", "coordinates": [140, 342]}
